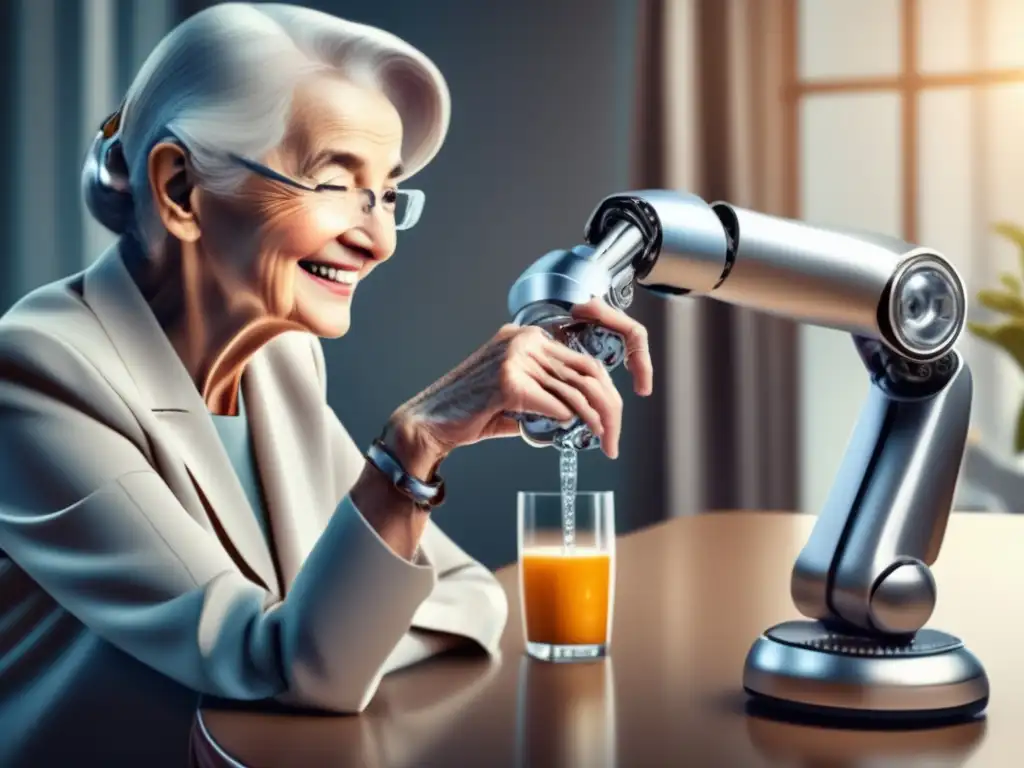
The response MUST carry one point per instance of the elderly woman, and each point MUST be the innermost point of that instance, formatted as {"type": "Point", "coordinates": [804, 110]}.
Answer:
{"type": "Point", "coordinates": [180, 505]}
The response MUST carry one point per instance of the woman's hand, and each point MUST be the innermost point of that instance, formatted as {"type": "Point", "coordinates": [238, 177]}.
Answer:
{"type": "Point", "coordinates": [520, 370]}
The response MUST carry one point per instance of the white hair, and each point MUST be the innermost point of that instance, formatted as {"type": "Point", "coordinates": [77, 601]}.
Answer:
{"type": "Point", "coordinates": [222, 83]}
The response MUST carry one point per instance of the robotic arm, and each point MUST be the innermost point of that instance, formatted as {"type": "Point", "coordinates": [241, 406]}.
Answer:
{"type": "Point", "coordinates": [864, 574]}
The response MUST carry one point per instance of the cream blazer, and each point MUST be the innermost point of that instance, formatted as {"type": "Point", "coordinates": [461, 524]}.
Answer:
{"type": "Point", "coordinates": [126, 537]}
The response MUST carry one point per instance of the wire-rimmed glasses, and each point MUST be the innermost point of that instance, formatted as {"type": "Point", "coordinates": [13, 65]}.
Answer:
{"type": "Point", "coordinates": [405, 206]}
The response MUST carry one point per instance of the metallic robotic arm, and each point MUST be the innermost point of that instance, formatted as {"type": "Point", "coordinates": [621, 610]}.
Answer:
{"type": "Point", "coordinates": [863, 576]}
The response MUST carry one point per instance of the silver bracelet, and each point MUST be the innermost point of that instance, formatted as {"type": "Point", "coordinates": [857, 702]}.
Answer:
{"type": "Point", "coordinates": [424, 495]}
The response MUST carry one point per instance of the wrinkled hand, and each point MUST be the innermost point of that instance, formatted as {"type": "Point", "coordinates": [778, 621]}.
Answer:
{"type": "Point", "coordinates": [523, 370]}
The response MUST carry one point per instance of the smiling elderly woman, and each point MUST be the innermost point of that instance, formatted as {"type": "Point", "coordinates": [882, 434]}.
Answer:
{"type": "Point", "coordinates": [179, 504]}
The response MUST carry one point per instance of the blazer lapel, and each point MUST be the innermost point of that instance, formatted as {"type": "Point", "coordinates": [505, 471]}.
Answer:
{"type": "Point", "coordinates": [196, 441]}
{"type": "Point", "coordinates": [165, 386]}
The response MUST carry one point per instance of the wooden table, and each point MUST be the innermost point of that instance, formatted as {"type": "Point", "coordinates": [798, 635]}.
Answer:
{"type": "Point", "coordinates": [692, 595]}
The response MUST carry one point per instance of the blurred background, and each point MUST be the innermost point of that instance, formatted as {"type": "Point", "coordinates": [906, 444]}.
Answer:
{"type": "Point", "coordinates": [899, 116]}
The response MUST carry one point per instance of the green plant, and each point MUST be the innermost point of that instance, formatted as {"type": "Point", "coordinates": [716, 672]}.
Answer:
{"type": "Point", "coordinates": [1007, 333]}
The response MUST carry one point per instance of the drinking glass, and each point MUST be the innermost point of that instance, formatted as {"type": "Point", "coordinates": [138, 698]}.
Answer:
{"type": "Point", "coordinates": [566, 588]}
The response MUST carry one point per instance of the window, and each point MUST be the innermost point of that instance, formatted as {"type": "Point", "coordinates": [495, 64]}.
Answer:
{"type": "Point", "coordinates": [905, 117]}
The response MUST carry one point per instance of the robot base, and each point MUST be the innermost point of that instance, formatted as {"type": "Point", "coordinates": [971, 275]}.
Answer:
{"type": "Point", "coordinates": [806, 671]}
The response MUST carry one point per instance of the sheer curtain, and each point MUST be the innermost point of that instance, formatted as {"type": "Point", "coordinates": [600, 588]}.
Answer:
{"type": "Point", "coordinates": [711, 122]}
{"type": "Point", "coordinates": [67, 66]}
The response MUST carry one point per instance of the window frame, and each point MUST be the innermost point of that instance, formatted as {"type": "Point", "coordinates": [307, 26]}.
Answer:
{"type": "Point", "coordinates": [909, 83]}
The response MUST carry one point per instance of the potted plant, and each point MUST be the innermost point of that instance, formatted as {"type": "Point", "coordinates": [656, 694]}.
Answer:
{"type": "Point", "coordinates": [1007, 333]}
{"type": "Point", "coordinates": [1001, 481]}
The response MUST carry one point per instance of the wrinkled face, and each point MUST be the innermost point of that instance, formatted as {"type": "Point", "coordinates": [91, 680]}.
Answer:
{"type": "Point", "coordinates": [301, 255]}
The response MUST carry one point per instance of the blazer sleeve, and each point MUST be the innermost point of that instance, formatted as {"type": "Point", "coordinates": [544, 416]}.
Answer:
{"type": "Point", "coordinates": [466, 600]}
{"type": "Point", "coordinates": [85, 514]}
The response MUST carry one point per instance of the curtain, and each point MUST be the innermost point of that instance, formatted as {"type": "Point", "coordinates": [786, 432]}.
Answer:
{"type": "Point", "coordinates": [711, 121]}
{"type": "Point", "coordinates": [67, 67]}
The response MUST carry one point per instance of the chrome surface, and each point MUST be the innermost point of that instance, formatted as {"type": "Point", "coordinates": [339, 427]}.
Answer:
{"type": "Point", "coordinates": [693, 252]}
{"type": "Point", "coordinates": [621, 294]}
{"type": "Point", "coordinates": [560, 277]}
{"type": "Point", "coordinates": [890, 504]}
{"type": "Point", "coordinates": [617, 249]}
{"type": "Point", "coordinates": [824, 277]}
{"type": "Point", "coordinates": [903, 599]}
{"type": "Point", "coordinates": [801, 662]}
{"type": "Point", "coordinates": [927, 306]}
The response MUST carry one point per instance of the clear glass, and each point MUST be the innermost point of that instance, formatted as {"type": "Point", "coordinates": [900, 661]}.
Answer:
{"type": "Point", "coordinates": [567, 593]}
{"type": "Point", "coordinates": [1002, 47]}
{"type": "Point", "coordinates": [945, 32]}
{"type": "Point", "coordinates": [839, 39]}
{"type": "Point", "coordinates": [970, 35]}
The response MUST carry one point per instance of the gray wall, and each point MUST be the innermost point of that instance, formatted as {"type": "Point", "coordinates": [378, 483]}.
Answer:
{"type": "Point", "coordinates": [541, 130]}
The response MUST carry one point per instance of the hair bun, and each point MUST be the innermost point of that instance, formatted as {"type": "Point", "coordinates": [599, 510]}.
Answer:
{"type": "Point", "coordinates": [106, 187]}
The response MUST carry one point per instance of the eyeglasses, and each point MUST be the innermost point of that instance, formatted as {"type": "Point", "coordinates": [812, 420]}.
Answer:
{"type": "Point", "coordinates": [403, 205]}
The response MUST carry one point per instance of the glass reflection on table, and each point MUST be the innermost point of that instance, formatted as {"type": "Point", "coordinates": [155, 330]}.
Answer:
{"type": "Point", "coordinates": [566, 714]}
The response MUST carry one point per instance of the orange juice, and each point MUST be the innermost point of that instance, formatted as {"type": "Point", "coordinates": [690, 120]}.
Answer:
{"type": "Point", "coordinates": [566, 595]}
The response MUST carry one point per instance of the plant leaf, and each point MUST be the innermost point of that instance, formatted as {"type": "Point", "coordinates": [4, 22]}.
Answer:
{"type": "Point", "coordinates": [982, 331]}
{"type": "Point", "coordinates": [1009, 336]}
{"type": "Point", "coordinates": [1012, 284]}
{"type": "Point", "coordinates": [1002, 301]}
{"type": "Point", "coordinates": [1018, 437]}
{"type": "Point", "coordinates": [1013, 233]}
{"type": "Point", "coordinates": [1010, 231]}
